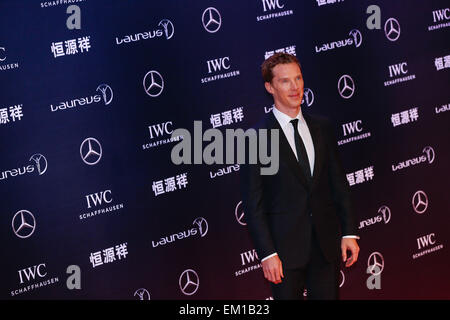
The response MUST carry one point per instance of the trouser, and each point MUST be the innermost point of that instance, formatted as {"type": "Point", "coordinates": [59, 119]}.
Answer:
{"type": "Point", "coordinates": [319, 277]}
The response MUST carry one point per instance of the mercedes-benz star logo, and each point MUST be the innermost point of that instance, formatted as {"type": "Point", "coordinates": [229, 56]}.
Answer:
{"type": "Point", "coordinates": [23, 224]}
{"type": "Point", "coordinates": [308, 97]}
{"type": "Point", "coordinates": [189, 282]}
{"type": "Point", "coordinates": [346, 86]}
{"type": "Point", "coordinates": [142, 293]}
{"type": "Point", "coordinates": [41, 162]}
{"type": "Point", "coordinates": [386, 212]}
{"type": "Point", "coordinates": [239, 214]}
{"type": "Point", "coordinates": [168, 28]}
{"type": "Point", "coordinates": [375, 263]}
{"type": "Point", "coordinates": [392, 29]}
{"type": "Point", "coordinates": [153, 83]}
{"type": "Point", "coordinates": [420, 202]}
{"type": "Point", "coordinates": [211, 20]}
{"type": "Point", "coordinates": [91, 151]}
{"type": "Point", "coordinates": [202, 226]}
{"type": "Point", "coordinates": [107, 93]}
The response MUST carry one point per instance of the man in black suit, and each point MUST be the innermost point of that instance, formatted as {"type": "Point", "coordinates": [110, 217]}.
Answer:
{"type": "Point", "coordinates": [300, 219]}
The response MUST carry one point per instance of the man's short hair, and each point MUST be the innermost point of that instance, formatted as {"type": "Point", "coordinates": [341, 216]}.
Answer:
{"type": "Point", "coordinates": [271, 62]}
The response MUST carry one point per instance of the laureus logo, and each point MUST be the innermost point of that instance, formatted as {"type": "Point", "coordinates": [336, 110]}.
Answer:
{"type": "Point", "coordinates": [39, 165]}
{"type": "Point", "coordinates": [357, 37]}
{"type": "Point", "coordinates": [200, 228]}
{"type": "Point", "coordinates": [429, 152]}
{"type": "Point", "coordinates": [168, 27]}
{"type": "Point", "coordinates": [106, 92]}
{"type": "Point", "coordinates": [142, 294]}
{"type": "Point", "coordinates": [165, 29]}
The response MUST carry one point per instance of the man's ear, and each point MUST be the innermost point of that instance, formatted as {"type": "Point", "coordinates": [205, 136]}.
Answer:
{"type": "Point", "coordinates": [269, 87]}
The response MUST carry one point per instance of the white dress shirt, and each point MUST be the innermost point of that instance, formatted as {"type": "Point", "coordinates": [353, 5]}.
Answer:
{"type": "Point", "coordinates": [288, 129]}
{"type": "Point", "coordinates": [302, 127]}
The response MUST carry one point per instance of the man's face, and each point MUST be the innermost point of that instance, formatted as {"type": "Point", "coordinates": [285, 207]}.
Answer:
{"type": "Point", "coordinates": [286, 86]}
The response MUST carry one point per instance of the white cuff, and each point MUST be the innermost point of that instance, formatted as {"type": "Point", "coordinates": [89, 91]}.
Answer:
{"type": "Point", "coordinates": [269, 256]}
{"type": "Point", "coordinates": [352, 237]}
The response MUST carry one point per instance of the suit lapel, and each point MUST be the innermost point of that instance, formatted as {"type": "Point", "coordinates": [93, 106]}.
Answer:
{"type": "Point", "coordinates": [286, 151]}
{"type": "Point", "coordinates": [319, 143]}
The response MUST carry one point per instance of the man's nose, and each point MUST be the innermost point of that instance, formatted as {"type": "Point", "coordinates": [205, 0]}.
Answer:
{"type": "Point", "coordinates": [295, 85]}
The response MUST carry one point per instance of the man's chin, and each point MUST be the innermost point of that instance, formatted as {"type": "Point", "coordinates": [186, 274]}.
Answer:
{"type": "Point", "coordinates": [295, 103]}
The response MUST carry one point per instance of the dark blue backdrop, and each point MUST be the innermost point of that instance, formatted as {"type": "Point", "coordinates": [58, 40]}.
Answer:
{"type": "Point", "coordinates": [43, 173]}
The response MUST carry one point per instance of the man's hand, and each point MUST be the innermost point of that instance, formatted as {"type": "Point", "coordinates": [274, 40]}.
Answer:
{"type": "Point", "coordinates": [351, 245]}
{"type": "Point", "coordinates": [273, 270]}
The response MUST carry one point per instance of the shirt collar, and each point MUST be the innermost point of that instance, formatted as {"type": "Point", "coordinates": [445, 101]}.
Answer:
{"type": "Point", "coordinates": [284, 119]}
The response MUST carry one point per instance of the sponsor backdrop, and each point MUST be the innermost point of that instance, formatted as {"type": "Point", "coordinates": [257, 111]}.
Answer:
{"type": "Point", "coordinates": [87, 184]}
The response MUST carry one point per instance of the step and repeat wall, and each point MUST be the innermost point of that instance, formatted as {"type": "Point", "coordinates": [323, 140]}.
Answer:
{"type": "Point", "coordinates": [92, 207]}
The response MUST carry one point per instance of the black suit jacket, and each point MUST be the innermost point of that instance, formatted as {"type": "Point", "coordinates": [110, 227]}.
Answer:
{"type": "Point", "coordinates": [282, 209]}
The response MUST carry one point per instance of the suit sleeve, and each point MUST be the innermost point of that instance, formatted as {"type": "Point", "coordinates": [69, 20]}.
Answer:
{"type": "Point", "coordinates": [339, 186]}
{"type": "Point", "coordinates": [252, 199]}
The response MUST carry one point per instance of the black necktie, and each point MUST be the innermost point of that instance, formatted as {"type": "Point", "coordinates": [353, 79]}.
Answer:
{"type": "Point", "coordinates": [302, 156]}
